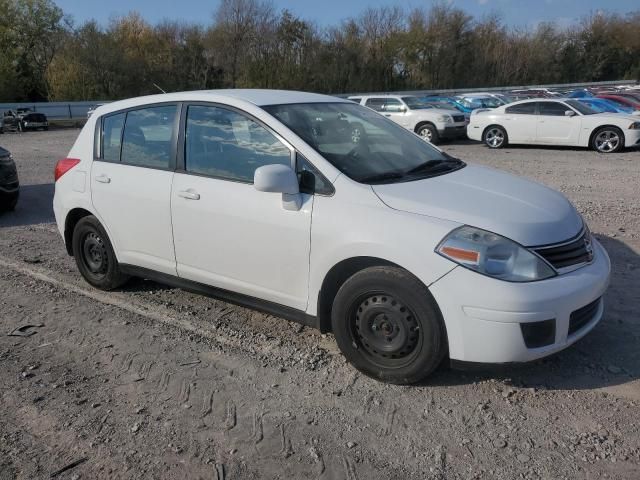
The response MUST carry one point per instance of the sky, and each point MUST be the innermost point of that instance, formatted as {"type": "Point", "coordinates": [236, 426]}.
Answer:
{"type": "Point", "coordinates": [520, 13]}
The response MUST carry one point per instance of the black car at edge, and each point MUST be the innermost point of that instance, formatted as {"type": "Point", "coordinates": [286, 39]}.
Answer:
{"type": "Point", "coordinates": [9, 185]}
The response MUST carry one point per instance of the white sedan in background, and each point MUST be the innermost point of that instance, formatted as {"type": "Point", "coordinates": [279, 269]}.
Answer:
{"type": "Point", "coordinates": [554, 122]}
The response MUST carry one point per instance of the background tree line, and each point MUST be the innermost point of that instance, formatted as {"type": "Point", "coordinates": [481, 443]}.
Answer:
{"type": "Point", "coordinates": [248, 43]}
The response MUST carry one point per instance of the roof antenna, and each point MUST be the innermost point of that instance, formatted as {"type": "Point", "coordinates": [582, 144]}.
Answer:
{"type": "Point", "coordinates": [155, 85]}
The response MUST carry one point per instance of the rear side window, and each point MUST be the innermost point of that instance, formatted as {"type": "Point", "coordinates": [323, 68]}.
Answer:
{"type": "Point", "coordinates": [528, 108]}
{"type": "Point", "coordinates": [146, 141]}
{"type": "Point", "coordinates": [112, 137]}
{"type": "Point", "coordinates": [225, 144]}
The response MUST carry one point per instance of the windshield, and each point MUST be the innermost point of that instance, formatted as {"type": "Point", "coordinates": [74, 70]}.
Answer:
{"type": "Point", "coordinates": [599, 107]}
{"type": "Point", "coordinates": [415, 103]}
{"type": "Point", "coordinates": [363, 144]}
{"type": "Point", "coordinates": [581, 107]}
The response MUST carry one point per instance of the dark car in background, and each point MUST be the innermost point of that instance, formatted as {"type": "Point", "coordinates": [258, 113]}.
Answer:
{"type": "Point", "coordinates": [34, 121]}
{"type": "Point", "coordinates": [9, 185]}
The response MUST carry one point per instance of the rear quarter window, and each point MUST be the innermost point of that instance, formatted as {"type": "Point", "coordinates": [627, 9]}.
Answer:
{"type": "Point", "coordinates": [112, 137]}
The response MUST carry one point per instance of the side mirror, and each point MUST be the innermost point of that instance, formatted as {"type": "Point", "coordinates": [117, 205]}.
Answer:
{"type": "Point", "coordinates": [569, 113]}
{"type": "Point", "coordinates": [279, 179]}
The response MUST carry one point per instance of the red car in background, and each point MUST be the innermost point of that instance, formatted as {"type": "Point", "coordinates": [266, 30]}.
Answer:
{"type": "Point", "coordinates": [626, 100]}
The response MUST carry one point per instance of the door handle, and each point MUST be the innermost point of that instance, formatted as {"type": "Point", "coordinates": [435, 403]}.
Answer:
{"type": "Point", "coordinates": [103, 179]}
{"type": "Point", "coordinates": [189, 195]}
{"type": "Point", "coordinates": [387, 115]}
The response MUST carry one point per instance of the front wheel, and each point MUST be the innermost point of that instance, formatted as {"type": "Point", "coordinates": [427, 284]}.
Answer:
{"type": "Point", "coordinates": [94, 255]}
{"type": "Point", "coordinates": [495, 137]}
{"type": "Point", "coordinates": [608, 140]}
{"type": "Point", "coordinates": [388, 325]}
{"type": "Point", "coordinates": [429, 133]}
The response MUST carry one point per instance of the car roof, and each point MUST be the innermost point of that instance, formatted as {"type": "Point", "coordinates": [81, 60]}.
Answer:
{"type": "Point", "coordinates": [258, 97]}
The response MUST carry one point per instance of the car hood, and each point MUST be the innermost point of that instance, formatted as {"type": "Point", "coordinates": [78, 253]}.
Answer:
{"type": "Point", "coordinates": [519, 209]}
{"type": "Point", "coordinates": [621, 119]}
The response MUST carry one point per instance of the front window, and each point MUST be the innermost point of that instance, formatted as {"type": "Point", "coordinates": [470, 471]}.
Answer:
{"type": "Point", "coordinates": [553, 109]}
{"type": "Point", "coordinates": [226, 144]}
{"type": "Point", "coordinates": [362, 144]}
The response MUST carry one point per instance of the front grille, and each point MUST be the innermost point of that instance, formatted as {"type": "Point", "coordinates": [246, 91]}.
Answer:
{"type": "Point", "coordinates": [579, 318]}
{"type": "Point", "coordinates": [458, 118]}
{"type": "Point", "coordinates": [569, 253]}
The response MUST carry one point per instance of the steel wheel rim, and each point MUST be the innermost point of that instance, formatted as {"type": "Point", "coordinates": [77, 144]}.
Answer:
{"type": "Point", "coordinates": [607, 141]}
{"type": "Point", "coordinates": [495, 137]}
{"type": "Point", "coordinates": [426, 133]}
{"type": "Point", "coordinates": [385, 330]}
{"type": "Point", "coordinates": [94, 254]}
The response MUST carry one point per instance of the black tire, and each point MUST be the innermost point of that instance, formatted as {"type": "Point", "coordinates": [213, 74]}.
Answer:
{"type": "Point", "coordinates": [607, 140]}
{"type": "Point", "coordinates": [13, 203]}
{"type": "Point", "coordinates": [429, 132]}
{"type": "Point", "coordinates": [388, 325]}
{"type": "Point", "coordinates": [94, 255]}
{"type": "Point", "coordinates": [495, 137]}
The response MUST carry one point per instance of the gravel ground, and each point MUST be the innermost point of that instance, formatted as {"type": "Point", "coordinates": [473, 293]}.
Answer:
{"type": "Point", "coordinates": [154, 382]}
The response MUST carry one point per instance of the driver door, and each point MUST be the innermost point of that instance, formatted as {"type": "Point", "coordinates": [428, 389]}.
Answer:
{"type": "Point", "coordinates": [554, 127]}
{"type": "Point", "coordinates": [226, 233]}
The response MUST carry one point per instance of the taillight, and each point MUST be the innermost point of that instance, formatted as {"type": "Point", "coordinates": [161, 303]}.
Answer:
{"type": "Point", "coordinates": [63, 166]}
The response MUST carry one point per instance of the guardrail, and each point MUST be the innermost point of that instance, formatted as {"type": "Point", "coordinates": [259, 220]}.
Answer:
{"type": "Point", "coordinates": [56, 110]}
{"type": "Point", "coordinates": [456, 91]}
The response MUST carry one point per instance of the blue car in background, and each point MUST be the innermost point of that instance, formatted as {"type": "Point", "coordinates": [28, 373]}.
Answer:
{"type": "Point", "coordinates": [447, 102]}
{"type": "Point", "coordinates": [580, 94]}
{"type": "Point", "coordinates": [602, 105]}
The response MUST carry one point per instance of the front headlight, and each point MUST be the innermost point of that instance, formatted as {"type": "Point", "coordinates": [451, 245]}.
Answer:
{"type": "Point", "coordinates": [634, 126]}
{"type": "Point", "coordinates": [493, 255]}
{"type": "Point", "coordinates": [445, 118]}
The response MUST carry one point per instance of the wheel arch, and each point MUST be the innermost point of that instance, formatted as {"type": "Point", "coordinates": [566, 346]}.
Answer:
{"type": "Point", "coordinates": [423, 123]}
{"type": "Point", "coordinates": [600, 127]}
{"type": "Point", "coordinates": [70, 222]}
{"type": "Point", "coordinates": [335, 278]}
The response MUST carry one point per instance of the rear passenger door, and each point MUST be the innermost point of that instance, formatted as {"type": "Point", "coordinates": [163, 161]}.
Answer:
{"type": "Point", "coordinates": [227, 234]}
{"type": "Point", "coordinates": [131, 184]}
{"type": "Point", "coordinates": [520, 121]}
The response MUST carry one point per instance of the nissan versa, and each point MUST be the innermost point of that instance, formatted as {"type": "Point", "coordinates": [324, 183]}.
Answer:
{"type": "Point", "coordinates": [266, 198]}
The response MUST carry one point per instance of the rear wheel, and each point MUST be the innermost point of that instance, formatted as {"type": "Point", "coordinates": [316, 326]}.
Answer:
{"type": "Point", "coordinates": [388, 326]}
{"type": "Point", "coordinates": [495, 137]}
{"type": "Point", "coordinates": [429, 133]}
{"type": "Point", "coordinates": [608, 140]}
{"type": "Point", "coordinates": [94, 255]}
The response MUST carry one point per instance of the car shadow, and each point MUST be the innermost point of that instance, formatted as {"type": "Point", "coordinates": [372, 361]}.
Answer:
{"type": "Point", "coordinates": [35, 206]}
{"type": "Point", "coordinates": [608, 356]}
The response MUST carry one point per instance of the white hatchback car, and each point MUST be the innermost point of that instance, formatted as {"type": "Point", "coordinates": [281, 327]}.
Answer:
{"type": "Point", "coordinates": [554, 122]}
{"type": "Point", "coordinates": [264, 198]}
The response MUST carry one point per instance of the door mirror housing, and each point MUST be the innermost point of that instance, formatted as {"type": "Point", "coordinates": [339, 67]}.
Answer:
{"type": "Point", "coordinates": [569, 113]}
{"type": "Point", "coordinates": [279, 179]}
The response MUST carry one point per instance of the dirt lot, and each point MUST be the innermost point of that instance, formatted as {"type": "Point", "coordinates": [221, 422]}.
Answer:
{"type": "Point", "coordinates": [154, 382]}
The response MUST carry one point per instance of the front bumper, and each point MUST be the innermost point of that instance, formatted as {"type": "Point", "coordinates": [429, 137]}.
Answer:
{"type": "Point", "coordinates": [457, 130]}
{"type": "Point", "coordinates": [632, 138]}
{"type": "Point", "coordinates": [483, 315]}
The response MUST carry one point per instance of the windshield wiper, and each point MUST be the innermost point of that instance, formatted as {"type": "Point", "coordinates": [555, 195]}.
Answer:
{"type": "Point", "coordinates": [435, 165]}
{"type": "Point", "coordinates": [380, 177]}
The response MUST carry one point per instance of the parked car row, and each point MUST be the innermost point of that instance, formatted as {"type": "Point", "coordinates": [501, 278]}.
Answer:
{"type": "Point", "coordinates": [23, 119]}
{"type": "Point", "coordinates": [606, 122]}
